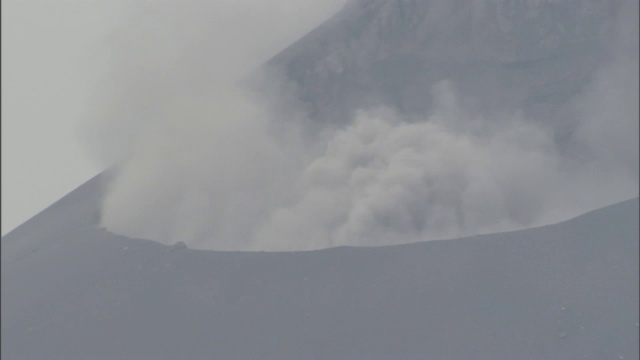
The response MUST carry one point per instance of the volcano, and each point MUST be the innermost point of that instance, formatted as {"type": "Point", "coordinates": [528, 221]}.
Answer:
{"type": "Point", "coordinates": [73, 290]}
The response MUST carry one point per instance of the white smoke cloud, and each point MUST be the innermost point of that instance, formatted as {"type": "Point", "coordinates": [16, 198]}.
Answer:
{"type": "Point", "coordinates": [219, 167]}
{"type": "Point", "coordinates": [210, 170]}
{"type": "Point", "coordinates": [385, 180]}
{"type": "Point", "coordinates": [171, 49]}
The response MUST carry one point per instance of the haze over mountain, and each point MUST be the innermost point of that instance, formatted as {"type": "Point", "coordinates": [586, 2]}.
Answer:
{"type": "Point", "coordinates": [393, 122]}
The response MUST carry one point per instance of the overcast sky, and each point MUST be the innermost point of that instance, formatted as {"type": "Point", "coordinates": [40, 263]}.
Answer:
{"type": "Point", "coordinates": [49, 61]}
{"type": "Point", "coordinates": [53, 54]}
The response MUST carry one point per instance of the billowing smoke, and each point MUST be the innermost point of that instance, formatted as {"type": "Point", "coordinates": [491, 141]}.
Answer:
{"type": "Point", "coordinates": [212, 163]}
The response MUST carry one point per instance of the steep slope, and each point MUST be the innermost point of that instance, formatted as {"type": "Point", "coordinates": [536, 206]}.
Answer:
{"type": "Point", "coordinates": [566, 291]}
{"type": "Point", "coordinates": [502, 55]}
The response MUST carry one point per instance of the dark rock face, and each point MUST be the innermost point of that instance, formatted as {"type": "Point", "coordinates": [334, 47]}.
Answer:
{"type": "Point", "coordinates": [502, 55]}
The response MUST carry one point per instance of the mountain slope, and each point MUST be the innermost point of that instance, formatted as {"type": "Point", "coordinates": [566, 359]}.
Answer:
{"type": "Point", "coordinates": [503, 55]}
{"type": "Point", "coordinates": [567, 291]}
{"type": "Point", "coordinates": [564, 291]}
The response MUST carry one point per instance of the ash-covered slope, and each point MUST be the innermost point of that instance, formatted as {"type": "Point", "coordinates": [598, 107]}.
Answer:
{"type": "Point", "coordinates": [565, 291]}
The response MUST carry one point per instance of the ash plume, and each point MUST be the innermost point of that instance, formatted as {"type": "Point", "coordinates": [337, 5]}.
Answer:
{"type": "Point", "coordinates": [206, 159]}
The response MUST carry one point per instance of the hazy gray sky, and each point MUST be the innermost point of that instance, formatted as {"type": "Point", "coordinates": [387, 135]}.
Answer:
{"type": "Point", "coordinates": [53, 55]}
{"type": "Point", "coordinates": [49, 61]}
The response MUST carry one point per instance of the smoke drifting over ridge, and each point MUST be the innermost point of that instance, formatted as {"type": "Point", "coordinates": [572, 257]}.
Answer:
{"type": "Point", "coordinates": [218, 166]}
